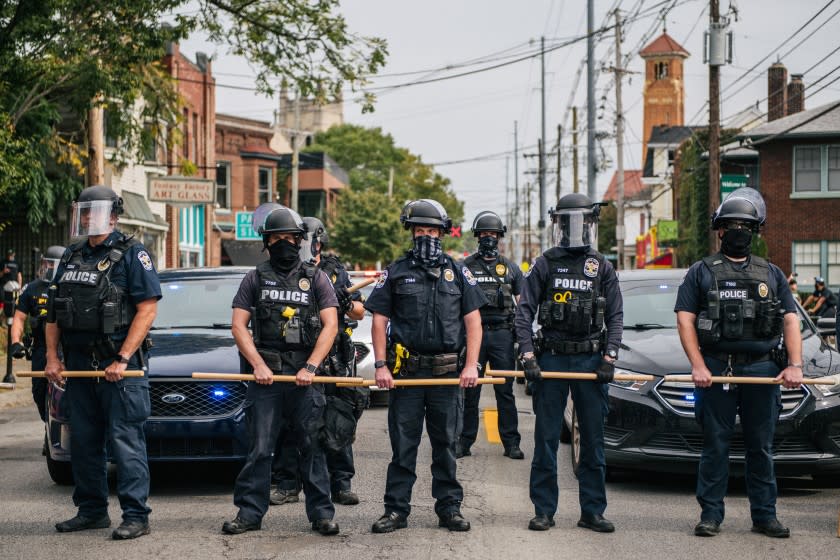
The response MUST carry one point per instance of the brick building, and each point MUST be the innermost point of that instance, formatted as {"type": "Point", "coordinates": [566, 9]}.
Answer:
{"type": "Point", "coordinates": [664, 88]}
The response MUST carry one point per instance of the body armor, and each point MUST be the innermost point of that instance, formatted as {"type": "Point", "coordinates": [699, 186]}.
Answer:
{"type": "Point", "coordinates": [38, 315]}
{"type": "Point", "coordinates": [343, 354]}
{"type": "Point", "coordinates": [741, 311]}
{"type": "Point", "coordinates": [573, 307]}
{"type": "Point", "coordinates": [494, 279]}
{"type": "Point", "coordinates": [87, 300]}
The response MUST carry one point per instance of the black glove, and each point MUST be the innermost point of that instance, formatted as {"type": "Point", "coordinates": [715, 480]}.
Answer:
{"type": "Point", "coordinates": [532, 369]}
{"type": "Point", "coordinates": [345, 304]}
{"type": "Point", "coordinates": [605, 371]}
{"type": "Point", "coordinates": [17, 350]}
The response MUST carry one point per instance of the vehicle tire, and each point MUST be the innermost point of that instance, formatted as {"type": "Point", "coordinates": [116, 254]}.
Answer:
{"type": "Point", "coordinates": [575, 433]}
{"type": "Point", "coordinates": [61, 472]}
{"type": "Point", "coordinates": [565, 432]}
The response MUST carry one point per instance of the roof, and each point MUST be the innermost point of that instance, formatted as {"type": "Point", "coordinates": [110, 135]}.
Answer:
{"type": "Point", "coordinates": [819, 122]}
{"type": "Point", "coordinates": [661, 136]}
{"type": "Point", "coordinates": [255, 148]}
{"type": "Point", "coordinates": [316, 160]}
{"type": "Point", "coordinates": [633, 186]}
{"type": "Point", "coordinates": [136, 207]}
{"type": "Point", "coordinates": [664, 45]}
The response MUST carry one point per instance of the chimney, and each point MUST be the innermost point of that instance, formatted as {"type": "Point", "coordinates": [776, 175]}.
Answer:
{"type": "Point", "coordinates": [795, 94]}
{"type": "Point", "coordinates": [776, 91]}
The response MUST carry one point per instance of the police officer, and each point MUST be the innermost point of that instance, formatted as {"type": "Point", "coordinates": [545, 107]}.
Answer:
{"type": "Point", "coordinates": [106, 293]}
{"type": "Point", "coordinates": [32, 304]}
{"type": "Point", "coordinates": [500, 280]}
{"type": "Point", "coordinates": [732, 308]}
{"type": "Point", "coordinates": [292, 307]}
{"type": "Point", "coordinates": [573, 292]}
{"type": "Point", "coordinates": [340, 362]}
{"type": "Point", "coordinates": [10, 269]}
{"type": "Point", "coordinates": [822, 302]}
{"type": "Point", "coordinates": [435, 332]}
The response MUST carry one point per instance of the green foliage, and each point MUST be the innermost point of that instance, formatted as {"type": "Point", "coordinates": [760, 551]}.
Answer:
{"type": "Point", "coordinates": [368, 155]}
{"type": "Point", "coordinates": [368, 228]}
{"type": "Point", "coordinates": [606, 229]}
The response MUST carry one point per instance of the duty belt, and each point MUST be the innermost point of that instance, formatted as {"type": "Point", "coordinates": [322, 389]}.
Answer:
{"type": "Point", "coordinates": [277, 361]}
{"type": "Point", "coordinates": [438, 364]}
{"type": "Point", "coordinates": [738, 359]}
{"type": "Point", "coordinates": [498, 326]}
{"type": "Point", "coordinates": [571, 346]}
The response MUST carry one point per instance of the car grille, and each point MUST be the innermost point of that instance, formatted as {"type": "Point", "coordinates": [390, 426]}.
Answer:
{"type": "Point", "coordinates": [615, 436]}
{"type": "Point", "coordinates": [191, 398]}
{"type": "Point", "coordinates": [361, 351]}
{"type": "Point", "coordinates": [679, 397]}
{"type": "Point", "coordinates": [189, 447]}
{"type": "Point", "coordinates": [790, 444]}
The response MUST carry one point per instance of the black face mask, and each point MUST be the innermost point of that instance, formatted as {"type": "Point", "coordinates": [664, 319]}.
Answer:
{"type": "Point", "coordinates": [736, 243]}
{"type": "Point", "coordinates": [488, 247]}
{"type": "Point", "coordinates": [283, 255]}
{"type": "Point", "coordinates": [427, 249]}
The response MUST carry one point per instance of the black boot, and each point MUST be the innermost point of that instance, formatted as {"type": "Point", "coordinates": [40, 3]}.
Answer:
{"type": "Point", "coordinates": [514, 452]}
{"type": "Point", "coordinates": [390, 522]}
{"type": "Point", "coordinates": [707, 528]}
{"type": "Point", "coordinates": [130, 530]}
{"type": "Point", "coordinates": [541, 523]}
{"type": "Point", "coordinates": [345, 498]}
{"type": "Point", "coordinates": [772, 528]}
{"type": "Point", "coordinates": [82, 523]}
{"type": "Point", "coordinates": [453, 521]}
{"type": "Point", "coordinates": [325, 527]}
{"type": "Point", "coordinates": [596, 523]}
{"type": "Point", "coordinates": [462, 450]}
{"type": "Point", "coordinates": [239, 525]}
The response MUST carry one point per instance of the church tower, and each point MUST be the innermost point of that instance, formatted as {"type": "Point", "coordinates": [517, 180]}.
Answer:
{"type": "Point", "coordinates": [664, 90]}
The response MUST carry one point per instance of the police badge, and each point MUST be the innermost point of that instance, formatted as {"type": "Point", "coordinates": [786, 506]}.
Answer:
{"type": "Point", "coordinates": [763, 290]}
{"type": "Point", "coordinates": [103, 265]}
{"type": "Point", "coordinates": [501, 269]}
{"type": "Point", "coordinates": [304, 284]}
{"type": "Point", "coordinates": [448, 275]}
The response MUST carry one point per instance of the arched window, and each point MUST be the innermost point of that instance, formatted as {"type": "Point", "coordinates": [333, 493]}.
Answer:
{"type": "Point", "coordinates": [660, 70]}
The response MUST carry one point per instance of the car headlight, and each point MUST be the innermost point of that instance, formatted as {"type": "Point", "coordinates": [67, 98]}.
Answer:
{"type": "Point", "coordinates": [629, 385]}
{"type": "Point", "coordinates": [828, 390]}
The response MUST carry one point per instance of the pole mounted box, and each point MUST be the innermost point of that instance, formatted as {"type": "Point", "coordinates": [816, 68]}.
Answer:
{"type": "Point", "coordinates": [717, 45]}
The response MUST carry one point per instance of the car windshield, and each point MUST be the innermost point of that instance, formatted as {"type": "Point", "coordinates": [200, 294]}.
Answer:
{"type": "Point", "coordinates": [650, 305]}
{"type": "Point", "coordinates": [199, 302]}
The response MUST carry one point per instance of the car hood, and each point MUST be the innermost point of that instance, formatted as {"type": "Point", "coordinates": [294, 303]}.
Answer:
{"type": "Point", "coordinates": [180, 352]}
{"type": "Point", "coordinates": [653, 351]}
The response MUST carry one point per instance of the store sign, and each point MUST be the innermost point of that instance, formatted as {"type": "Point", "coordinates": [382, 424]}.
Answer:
{"type": "Point", "coordinates": [173, 189]}
{"type": "Point", "coordinates": [668, 232]}
{"type": "Point", "coordinates": [729, 183]}
{"type": "Point", "coordinates": [244, 227]}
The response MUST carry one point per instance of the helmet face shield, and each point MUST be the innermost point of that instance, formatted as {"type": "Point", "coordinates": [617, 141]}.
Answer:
{"type": "Point", "coordinates": [309, 247]}
{"type": "Point", "coordinates": [48, 268]}
{"type": "Point", "coordinates": [93, 217]}
{"type": "Point", "coordinates": [575, 228]}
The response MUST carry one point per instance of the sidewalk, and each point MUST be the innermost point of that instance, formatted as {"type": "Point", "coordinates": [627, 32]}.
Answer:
{"type": "Point", "coordinates": [21, 395]}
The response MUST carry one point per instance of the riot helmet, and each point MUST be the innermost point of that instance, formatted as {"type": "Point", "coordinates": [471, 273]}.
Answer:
{"type": "Point", "coordinates": [49, 262]}
{"type": "Point", "coordinates": [575, 221]}
{"type": "Point", "coordinates": [315, 240]}
{"type": "Point", "coordinates": [425, 212]}
{"type": "Point", "coordinates": [488, 221]}
{"type": "Point", "coordinates": [278, 219]}
{"type": "Point", "coordinates": [741, 205]}
{"type": "Point", "coordinates": [95, 211]}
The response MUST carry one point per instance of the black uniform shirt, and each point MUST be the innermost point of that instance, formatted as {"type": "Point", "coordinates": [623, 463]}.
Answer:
{"type": "Point", "coordinates": [30, 304]}
{"type": "Point", "coordinates": [249, 290]}
{"type": "Point", "coordinates": [830, 298]}
{"type": "Point", "coordinates": [533, 294]}
{"type": "Point", "coordinates": [419, 325]}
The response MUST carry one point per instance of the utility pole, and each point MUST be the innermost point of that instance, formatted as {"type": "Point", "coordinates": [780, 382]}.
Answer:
{"type": "Point", "coordinates": [516, 185]}
{"type": "Point", "coordinates": [528, 222]}
{"type": "Point", "coordinates": [507, 189]}
{"type": "Point", "coordinates": [295, 154]}
{"type": "Point", "coordinates": [559, 156]}
{"type": "Point", "coordinates": [391, 182]}
{"type": "Point", "coordinates": [96, 145]}
{"type": "Point", "coordinates": [714, 126]}
{"type": "Point", "coordinates": [575, 181]}
{"type": "Point", "coordinates": [619, 147]}
{"type": "Point", "coordinates": [541, 220]}
{"type": "Point", "coordinates": [591, 166]}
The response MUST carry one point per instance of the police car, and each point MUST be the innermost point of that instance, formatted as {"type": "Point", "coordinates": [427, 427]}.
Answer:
{"type": "Point", "coordinates": [191, 419]}
{"type": "Point", "coordinates": [651, 425]}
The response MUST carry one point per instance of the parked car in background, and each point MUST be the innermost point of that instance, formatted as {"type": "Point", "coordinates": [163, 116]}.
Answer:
{"type": "Point", "coordinates": [651, 425]}
{"type": "Point", "coordinates": [191, 419]}
{"type": "Point", "coordinates": [363, 341]}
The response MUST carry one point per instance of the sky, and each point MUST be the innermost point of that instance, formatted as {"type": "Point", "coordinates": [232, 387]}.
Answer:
{"type": "Point", "coordinates": [470, 117]}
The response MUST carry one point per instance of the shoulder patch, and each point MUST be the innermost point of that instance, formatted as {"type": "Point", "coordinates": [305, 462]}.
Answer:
{"type": "Point", "coordinates": [144, 259]}
{"type": "Point", "coordinates": [382, 279]}
{"type": "Point", "coordinates": [469, 276]}
{"type": "Point", "coordinates": [590, 267]}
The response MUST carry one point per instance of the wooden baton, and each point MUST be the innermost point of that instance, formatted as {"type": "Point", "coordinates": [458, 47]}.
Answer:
{"type": "Point", "coordinates": [352, 381]}
{"type": "Point", "coordinates": [91, 373]}
{"type": "Point", "coordinates": [748, 380]}
{"type": "Point", "coordinates": [569, 375]}
{"type": "Point", "coordinates": [426, 382]}
{"type": "Point", "coordinates": [362, 284]}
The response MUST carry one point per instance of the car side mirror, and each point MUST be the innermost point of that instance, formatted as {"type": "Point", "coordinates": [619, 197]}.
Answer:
{"type": "Point", "coordinates": [826, 326]}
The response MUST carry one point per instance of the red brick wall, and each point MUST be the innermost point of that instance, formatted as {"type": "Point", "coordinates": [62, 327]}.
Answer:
{"type": "Point", "coordinates": [790, 220]}
{"type": "Point", "coordinates": [664, 98]}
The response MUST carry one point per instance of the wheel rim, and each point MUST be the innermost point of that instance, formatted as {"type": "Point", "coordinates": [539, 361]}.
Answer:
{"type": "Point", "coordinates": [575, 441]}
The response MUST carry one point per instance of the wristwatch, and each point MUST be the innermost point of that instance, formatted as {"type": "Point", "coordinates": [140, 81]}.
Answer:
{"type": "Point", "coordinates": [121, 359]}
{"type": "Point", "coordinates": [612, 354]}
{"type": "Point", "coordinates": [311, 368]}
{"type": "Point", "coordinates": [379, 363]}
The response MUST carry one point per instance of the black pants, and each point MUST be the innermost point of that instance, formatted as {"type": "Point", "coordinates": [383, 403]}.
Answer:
{"type": "Point", "coordinates": [40, 384]}
{"type": "Point", "coordinates": [286, 465]}
{"type": "Point", "coordinates": [496, 350]}
{"type": "Point", "coordinates": [440, 407]}
{"type": "Point", "coordinates": [266, 408]}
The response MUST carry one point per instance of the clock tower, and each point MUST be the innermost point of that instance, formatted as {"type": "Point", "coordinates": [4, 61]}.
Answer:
{"type": "Point", "coordinates": [664, 89]}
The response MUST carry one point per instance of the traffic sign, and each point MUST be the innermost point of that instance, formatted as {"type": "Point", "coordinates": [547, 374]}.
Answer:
{"type": "Point", "coordinates": [244, 226]}
{"type": "Point", "coordinates": [729, 183]}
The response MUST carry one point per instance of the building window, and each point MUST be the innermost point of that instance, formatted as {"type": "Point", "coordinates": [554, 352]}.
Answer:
{"type": "Point", "coordinates": [660, 70]}
{"type": "Point", "coordinates": [109, 129]}
{"type": "Point", "coordinates": [833, 168]}
{"type": "Point", "coordinates": [817, 258]}
{"type": "Point", "coordinates": [185, 146]}
{"type": "Point", "coordinates": [194, 146]}
{"type": "Point", "coordinates": [150, 143]}
{"type": "Point", "coordinates": [816, 169]}
{"type": "Point", "coordinates": [223, 184]}
{"type": "Point", "coordinates": [264, 187]}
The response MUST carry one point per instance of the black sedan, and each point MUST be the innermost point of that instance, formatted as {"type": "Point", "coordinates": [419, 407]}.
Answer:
{"type": "Point", "coordinates": [651, 425]}
{"type": "Point", "coordinates": [191, 419]}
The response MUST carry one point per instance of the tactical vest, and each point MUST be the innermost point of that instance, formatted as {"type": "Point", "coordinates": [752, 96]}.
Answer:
{"type": "Point", "coordinates": [573, 306]}
{"type": "Point", "coordinates": [39, 290]}
{"type": "Point", "coordinates": [741, 308]}
{"type": "Point", "coordinates": [494, 279]}
{"type": "Point", "coordinates": [342, 355]}
{"type": "Point", "coordinates": [426, 306]}
{"type": "Point", "coordinates": [87, 300]}
{"type": "Point", "coordinates": [287, 310]}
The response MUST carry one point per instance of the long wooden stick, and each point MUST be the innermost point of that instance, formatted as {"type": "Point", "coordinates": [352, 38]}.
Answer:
{"type": "Point", "coordinates": [570, 375]}
{"type": "Point", "coordinates": [354, 381]}
{"type": "Point", "coordinates": [362, 284]}
{"type": "Point", "coordinates": [426, 382]}
{"type": "Point", "coordinates": [747, 380]}
{"type": "Point", "coordinates": [91, 373]}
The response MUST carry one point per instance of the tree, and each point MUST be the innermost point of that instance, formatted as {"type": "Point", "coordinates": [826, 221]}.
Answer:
{"type": "Point", "coordinates": [58, 58]}
{"type": "Point", "coordinates": [367, 229]}
{"type": "Point", "coordinates": [368, 155]}
{"type": "Point", "coordinates": [606, 229]}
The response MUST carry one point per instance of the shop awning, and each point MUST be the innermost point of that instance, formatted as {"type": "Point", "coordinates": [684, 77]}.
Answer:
{"type": "Point", "coordinates": [244, 253]}
{"type": "Point", "coordinates": [138, 213]}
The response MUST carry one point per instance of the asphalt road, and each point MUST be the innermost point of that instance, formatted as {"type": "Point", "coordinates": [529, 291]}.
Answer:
{"type": "Point", "coordinates": [654, 514]}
